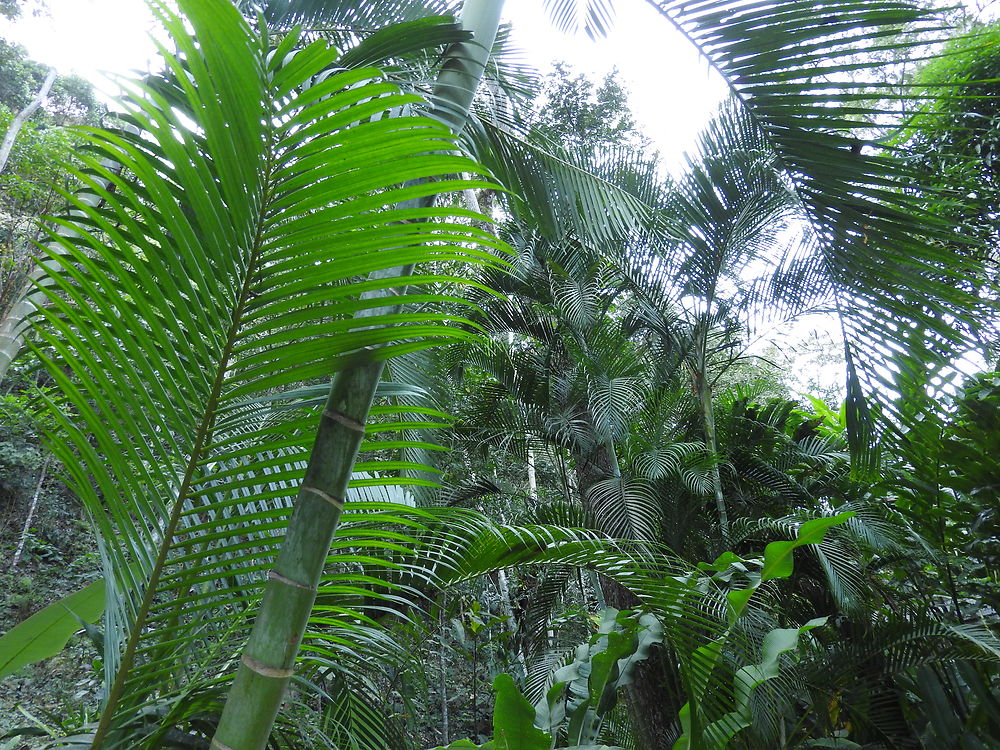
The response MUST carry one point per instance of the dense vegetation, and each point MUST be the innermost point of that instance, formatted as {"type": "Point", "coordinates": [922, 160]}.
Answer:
{"type": "Point", "coordinates": [364, 389]}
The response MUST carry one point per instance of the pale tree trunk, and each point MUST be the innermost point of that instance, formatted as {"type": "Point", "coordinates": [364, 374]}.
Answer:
{"type": "Point", "coordinates": [532, 479]}
{"type": "Point", "coordinates": [268, 660]}
{"type": "Point", "coordinates": [14, 323]}
{"type": "Point", "coordinates": [533, 494]}
{"type": "Point", "coordinates": [443, 672]}
{"type": "Point", "coordinates": [13, 326]}
{"type": "Point", "coordinates": [31, 514]}
{"type": "Point", "coordinates": [10, 326]}
{"type": "Point", "coordinates": [704, 391]}
{"type": "Point", "coordinates": [502, 582]}
{"type": "Point", "coordinates": [711, 441]}
{"type": "Point", "coordinates": [23, 116]}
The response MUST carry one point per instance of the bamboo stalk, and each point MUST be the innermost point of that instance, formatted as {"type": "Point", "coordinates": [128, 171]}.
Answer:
{"type": "Point", "coordinates": [269, 658]}
{"type": "Point", "coordinates": [268, 661]}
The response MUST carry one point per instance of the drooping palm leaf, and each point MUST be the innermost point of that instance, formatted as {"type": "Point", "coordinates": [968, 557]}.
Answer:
{"type": "Point", "coordinates": [593, 16]}
{"type": "Point", "coordinates": [349, 14]}
{"type": "Point", "coordinates": [801, 70]}
{"type": "Point", "coordinates": [559, 192]}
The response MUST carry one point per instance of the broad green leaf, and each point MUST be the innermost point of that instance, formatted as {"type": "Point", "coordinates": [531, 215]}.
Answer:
{"type": "Point", "coordinates": [514, 719]}
{"type": "Point", "coordinates": [551, 710]}
{"type": "Point", "coordinates": [778, 562]}
{"type": "Point", "coordinates": [46, 632]}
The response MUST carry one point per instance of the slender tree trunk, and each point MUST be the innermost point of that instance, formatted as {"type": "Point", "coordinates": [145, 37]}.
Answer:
{"type": "Point", "coordinates": [13, 325]}
{"type": "Point", "coordinates": [704, 391]}
{"type": "Point", "coordinates": [23, 116]}
{"type": "Point", "coordinates": [443, 672]}
{"type": "Point", "coordinates": [652, 700]}
{"type": "Point", "coordinates": [31, 514]}
{"type": "Point", "coordinates": [532, 479]}
{"type": "Point", "coordinates": [10, 342]}
{"type": "Point", "coordinates": [268, 661]}
{"type": "Point", "coordinates": [507, 604]}
{"type": "Point", "coordinates": [711, 441]}
{"type": "Point", "coordinates": [475, 683]}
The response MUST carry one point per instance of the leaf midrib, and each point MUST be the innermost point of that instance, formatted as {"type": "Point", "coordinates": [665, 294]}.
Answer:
{"type": "Point", "coordinates": [194, 459]}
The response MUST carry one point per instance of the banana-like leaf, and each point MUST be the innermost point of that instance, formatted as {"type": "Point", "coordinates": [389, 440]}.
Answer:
{"type": "Point", "coordinates": [46, 632]}
{"type": "Point", "coordinates": [778, 555]}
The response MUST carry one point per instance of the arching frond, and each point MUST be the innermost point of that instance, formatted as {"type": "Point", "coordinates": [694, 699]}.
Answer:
{"type": "Point", "coordinates": [359, 17]}
{"type": "Point", "coordinates": [226, 264]}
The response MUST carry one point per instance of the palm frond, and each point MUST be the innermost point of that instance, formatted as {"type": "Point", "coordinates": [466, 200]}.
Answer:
{"type": "Point", "coordinates": [560, 193]}
{"type": "Point", "coordinates": [626, 508]}
{"type": "Point", "coordinates": [229, 267]}
{"type": "Point", "coordinates": [883, 254]}
{"type": "Point", "coordinates": [359, 17]}
{"type": "Point", "coordinates": [888, 258]}
{"type": "Point", "coordinates": [592, 16]}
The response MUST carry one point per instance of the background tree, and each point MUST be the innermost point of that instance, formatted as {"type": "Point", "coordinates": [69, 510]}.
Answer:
{"type": "Point", "coordinates": [571, 366]}
{"type": "Point", "coordinates": [575, 110]}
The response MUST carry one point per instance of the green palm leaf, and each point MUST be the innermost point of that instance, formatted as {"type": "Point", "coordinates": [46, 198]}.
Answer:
{"type": "Point", "coordinates": [226, 264]}
{"type": "Point", "coordinates": [360, 17]}
{"type": "Point", "coordinates": [887, 260]}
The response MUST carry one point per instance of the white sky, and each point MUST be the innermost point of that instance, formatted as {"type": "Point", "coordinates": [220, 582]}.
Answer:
{"type": "Point", "coordinates": [673, 92]}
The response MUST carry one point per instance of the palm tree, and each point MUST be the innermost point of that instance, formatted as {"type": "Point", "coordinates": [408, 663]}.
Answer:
{"type": "Point", "coordinates": [881, 258]}
{"type": "Point", "coordinates": [183, 480]}
{"type": "Point", "coordinates": [218, 290]}
{"type": "Point", "coordinates": [268, 660]}
{"type": "Point", "coordinates": [210, 277]}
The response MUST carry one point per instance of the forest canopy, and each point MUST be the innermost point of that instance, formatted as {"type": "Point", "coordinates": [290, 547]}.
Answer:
{"type": "Point", "coordinates": [365, 388]}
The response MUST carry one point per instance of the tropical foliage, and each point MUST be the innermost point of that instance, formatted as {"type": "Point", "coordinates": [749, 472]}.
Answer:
{"type": "Point", "coordinates": [315, 254]}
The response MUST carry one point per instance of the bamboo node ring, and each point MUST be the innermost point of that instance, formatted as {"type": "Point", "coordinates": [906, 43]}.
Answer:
{"type": "Point", "coordinates": [266, 671]}
{"type": "Point", "coordinates": [275, 576]}
{"type": "Point", "coordinates": [335, 502]}
{"type": "Point", "coordinates": [343, 419]}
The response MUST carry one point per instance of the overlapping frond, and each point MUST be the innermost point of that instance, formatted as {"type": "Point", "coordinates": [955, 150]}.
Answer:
{"type": "Point", "coordinates": [561, 194]}
{"type": "Point", "coordinates": [594, 17]}
{"type": "Point", "coordinates": [226, 265]}
{"type": "Point", "coordinates": [798, 68]}
{"type": "Point", "coordinates": [348, 14]}
{"type": "Point", "coordinates": [804, 72]}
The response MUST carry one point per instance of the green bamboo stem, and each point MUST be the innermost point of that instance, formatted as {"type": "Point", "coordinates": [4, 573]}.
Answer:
{"type": "Point", "coordinates": [269, 658]}
{"type": "Point", "coordinates": [267, 663]}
